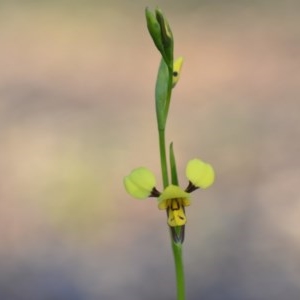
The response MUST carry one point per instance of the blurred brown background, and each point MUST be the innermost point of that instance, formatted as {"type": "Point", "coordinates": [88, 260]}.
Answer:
{"type": "Point", "coordinates": [77, 114]}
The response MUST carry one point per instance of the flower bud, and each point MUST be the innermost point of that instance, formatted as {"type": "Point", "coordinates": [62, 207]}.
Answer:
{"type": "Point", "coordinates": [161, 34]}
{"type": "Point", "coordinates": [154, 30]}
{"type": "Point", "coordinates": [166, 36]}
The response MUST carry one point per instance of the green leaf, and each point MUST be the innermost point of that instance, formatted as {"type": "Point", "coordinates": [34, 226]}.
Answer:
{"type": "Point", "coordinates": [161, 94]}
{"type": "Point", "coordinates": [174, 177]}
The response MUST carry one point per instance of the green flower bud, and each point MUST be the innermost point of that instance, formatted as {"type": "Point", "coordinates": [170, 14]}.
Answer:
{"type": "Point", "coordinates": [154, 30]}
{"type": "Point", "coordinates": [161, 34]}
{"type": "Point", "coordinates": [166, 36]}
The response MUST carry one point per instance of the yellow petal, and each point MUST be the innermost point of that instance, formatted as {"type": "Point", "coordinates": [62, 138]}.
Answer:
{"type": "Point", "coordinates": [177, 69]}
{"type": "Point", "coordinates": [186, 202]}
{"type": "Point", "coordinates": [200, 174]}
{"type": "Point", "coordinates": [139, 183]}
{"type": "Point", "coordinates": [173, 192]}
{"type": "Point", "coordinates": [163, 204]}
{"type": "Point", "coordinates": [176, 217]}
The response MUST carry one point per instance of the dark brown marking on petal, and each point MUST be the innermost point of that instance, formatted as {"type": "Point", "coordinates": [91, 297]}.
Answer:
{"type": "Point", "coordinates": [175, 204]}
{"type": "Point", "coordinates": [155, 193]}
{"type": "Point", "coordinates": [190, 188]}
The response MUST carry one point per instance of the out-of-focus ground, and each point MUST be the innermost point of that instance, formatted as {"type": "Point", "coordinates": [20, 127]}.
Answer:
{"type": "Point", "coordinates": [77, 114]}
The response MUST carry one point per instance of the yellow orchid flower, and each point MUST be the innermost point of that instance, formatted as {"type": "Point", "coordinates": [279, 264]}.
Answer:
{"type": "Point", "coordinates": [141, 184]}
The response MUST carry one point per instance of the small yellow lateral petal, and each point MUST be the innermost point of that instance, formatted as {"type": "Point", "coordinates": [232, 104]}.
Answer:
{"type": "Point", "coordinates": [186, 202]}
{"type": "Point", "coordinates": [163, 204]}
{"type": "Point", "coordinates": [200, 174]}
{"type": "Point", "coordinates": [177, 69]}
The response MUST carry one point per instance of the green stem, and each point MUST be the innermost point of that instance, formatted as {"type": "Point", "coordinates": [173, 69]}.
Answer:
{"type": "Point", "coordinates": [176, 247]}
{"type": "Point", "coordinates": [163, 157]}
{"type": "Point", "coordinates": [177, 252]}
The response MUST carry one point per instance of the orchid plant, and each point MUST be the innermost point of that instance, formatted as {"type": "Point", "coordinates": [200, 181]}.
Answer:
{"type": "Point", "coordinates": [141, 182]}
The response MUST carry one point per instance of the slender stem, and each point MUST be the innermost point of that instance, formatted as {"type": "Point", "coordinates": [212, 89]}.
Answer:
{"type": "Point", "coordinates": [180, 283]}
{"type": "Point", "coordinates": [163, 157]}
{"type": "Point", "coordinates": [176, 247]}
{"type": "Point", "coordinates": [161, 124]}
